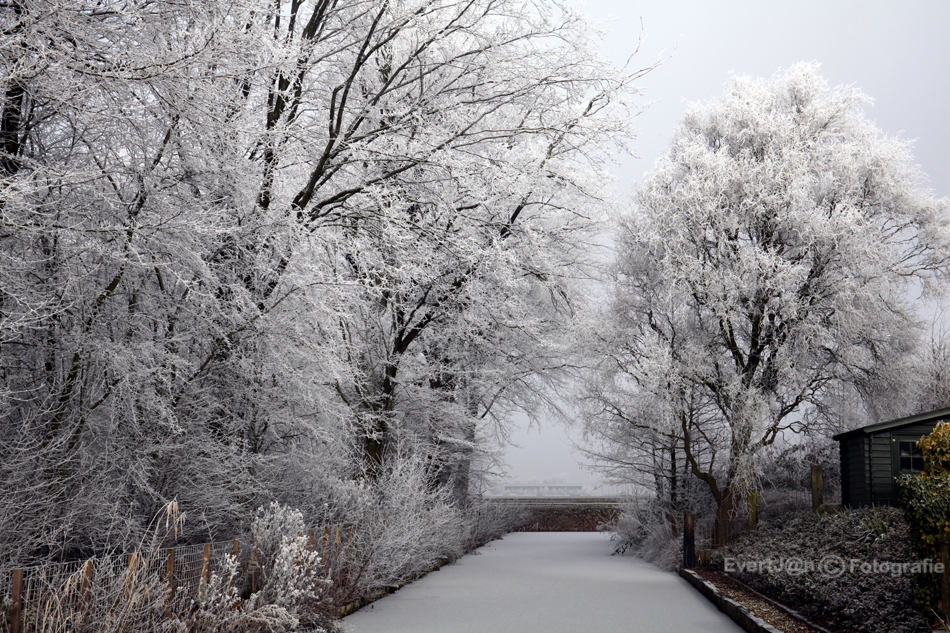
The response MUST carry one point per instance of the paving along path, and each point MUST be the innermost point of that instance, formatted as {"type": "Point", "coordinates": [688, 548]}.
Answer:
{"type": "Point", "coordinates": [545, 582]}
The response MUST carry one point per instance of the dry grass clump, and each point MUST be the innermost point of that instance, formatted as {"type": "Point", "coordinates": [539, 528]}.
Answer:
{"type": "Point", "coordinates": [384, 532]}
{"type": "Point", "coordinates": [283, 593]}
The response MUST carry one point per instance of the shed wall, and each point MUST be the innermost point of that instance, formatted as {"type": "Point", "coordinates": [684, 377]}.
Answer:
{"type": "Point", "coordinates": [867, 468]}
{"type": "Point", "coordinates": [882, 477]}
{"type": "Point", "coordinates": [857, 473]}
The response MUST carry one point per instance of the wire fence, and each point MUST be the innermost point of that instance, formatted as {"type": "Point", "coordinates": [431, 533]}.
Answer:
{"type": "Point", "coordinates": [769, 504]}
{"type": "Point", "coordinates": [32, 597]}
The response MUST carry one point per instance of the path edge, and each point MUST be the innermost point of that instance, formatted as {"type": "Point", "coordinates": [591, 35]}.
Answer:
{"type": "Point", "coordinates": [739, 614]}
{"type": "Point", "coordinates": [792, 613]}
{"type": "Point", "coordinates": [381, 592]}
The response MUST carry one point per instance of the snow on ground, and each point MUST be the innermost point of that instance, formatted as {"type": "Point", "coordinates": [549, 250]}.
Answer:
{"type": "Point", "coordinates": [544, 582]}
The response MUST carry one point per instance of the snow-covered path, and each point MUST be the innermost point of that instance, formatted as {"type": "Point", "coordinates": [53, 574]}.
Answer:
{"type": "Point", "coordinates": [544, 582]}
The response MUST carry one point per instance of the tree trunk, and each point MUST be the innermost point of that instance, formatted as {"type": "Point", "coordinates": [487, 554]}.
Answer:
{"type": "Point", "coordinates": [377, 438]}
{"type": "Point", "coordinates": [674, 482]}
{"type": "Point", "coordinates": [464, 474]}
{"type": "Point", "coordinates": [689, 541]}
{"type": "Point", "coordinates": [724, 512]}
{"type": "Point", "coordinates": [373, 457]}
{"type": "Point", "coordinates": [753, 508]}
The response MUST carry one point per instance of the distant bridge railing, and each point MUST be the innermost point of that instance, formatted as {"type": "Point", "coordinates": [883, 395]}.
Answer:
{"type": "Point", "coordinates": [553, 500]}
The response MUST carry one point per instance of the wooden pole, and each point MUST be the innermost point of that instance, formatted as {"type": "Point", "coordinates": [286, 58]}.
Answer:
{"type": "Point", "coordinates": [170, 569]}
{"type": "Point", "coordinates": [130, 574]}
{"type": "Point", "coordinates": [689, 541]}
{"type": "Point", "coordinates": [310, 541]}
{"type": "Point", "coordinates": [86, 582]}
{"type": "Point", "coordinates": [17, 601]}
{"type": "Point", "coordinates": [205, 562]}
{"type": "Point", "coordinates": [817, 499]}
{"type": "Point", "coordinates": [235, 549]}
{"type": "Point", "coordinates": [336, 550]}
{"type": "Point", "coordinates": [753, 509]}
{"type": "Point", "coordinates": [170, 579]}
{"type": "Point", "coordinates": [252, 568]}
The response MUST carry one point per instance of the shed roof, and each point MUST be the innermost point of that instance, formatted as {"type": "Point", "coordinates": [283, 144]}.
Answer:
{"type": "Point", "coordinates": [939, 414]}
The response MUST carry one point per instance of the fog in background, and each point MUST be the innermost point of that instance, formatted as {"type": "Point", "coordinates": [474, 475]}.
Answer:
{"type": "Point", "coordinates": [895, 52]}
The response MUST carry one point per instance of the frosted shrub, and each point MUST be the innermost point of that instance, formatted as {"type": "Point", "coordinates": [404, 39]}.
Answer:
{"type": "Point", "coordinates": [219, 608]}
{"type": "Point", "coordinates": [274, 529]}
{"type": "Point", "coordinates": [289, 599]}
{"type": "Point", "coordinates": [628, 531]}
{"type": "Point", "coordinates": [285, 573]}
{"type": "Point", "coordinates": [644, 530]}
{"type": "Point", "coordinates": [405, 525]}
{"type": "Point", "coordinates": [484, 521]}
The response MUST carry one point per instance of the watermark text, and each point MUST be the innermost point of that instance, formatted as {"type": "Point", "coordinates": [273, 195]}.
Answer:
{"type": "Point", "coordinates": [829, 566]}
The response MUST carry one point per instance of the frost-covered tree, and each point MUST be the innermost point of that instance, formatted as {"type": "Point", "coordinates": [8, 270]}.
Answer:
{"type": "Point", "coordinates": [115, 198]}
{"type": "Point", "coordinates": [246, 245]}
{"type": "Point", "coordinates": [932, 379]}
{"type": "Point", "coordinates": [450, 157]}
{"type": "Point", "coordinates": [773, 253]}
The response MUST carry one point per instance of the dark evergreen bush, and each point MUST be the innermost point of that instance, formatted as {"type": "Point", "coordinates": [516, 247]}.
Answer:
{"type": "Point", "coordinates": [926, 502]}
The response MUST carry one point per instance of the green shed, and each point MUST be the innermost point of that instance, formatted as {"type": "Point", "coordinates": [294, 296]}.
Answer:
{"type": "Point", "coordinates": [873, 456]}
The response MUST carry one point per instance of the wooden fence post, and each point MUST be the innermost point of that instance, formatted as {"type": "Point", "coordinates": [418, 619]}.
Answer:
{"type": "Point", "coordinates": [17, 606]}
{"type": "Point", "coordinates": [205, 562]}
{"type": "Point", "coordinates": [336, 549]}
{"type": "Point", "coordinates": [689, 541]}
{"type": "Point", "coordinates": [130, 574]}
{"type": "Point", "coordinates": [86, 582]}
{"type": "Point", "coordinates": [310, 541]}
{"type": "Point", "coordinates": [170, 578]}
{"type": "Point", "coordinates": [170, 569]}
{"type": "Point", "coordinates": [252, 569]}
{"type": "Point", "coordinates": [816, 493]}
{"type": "Point", "coordinates": [235, 550]}
{"type": "Point", "coordinates": [753, 508]}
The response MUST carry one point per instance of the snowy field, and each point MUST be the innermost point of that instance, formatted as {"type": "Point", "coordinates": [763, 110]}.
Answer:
{"type": "Point", "coordinates": [544, 582]}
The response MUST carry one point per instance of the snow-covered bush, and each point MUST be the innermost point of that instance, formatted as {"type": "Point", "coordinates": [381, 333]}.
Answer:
{"type": "Point", "coordinates": [837, 581]}
{"type": "Point", "coordinates": [643, 529]}
{"type": "Point", "coordinates": [285, 576]}
{"type": "Point", "coordinates": [484, 521]}
{"type": "Point", "coordinates": [404, 525]}
{"type": "Point", "coordinates": [219, 608]}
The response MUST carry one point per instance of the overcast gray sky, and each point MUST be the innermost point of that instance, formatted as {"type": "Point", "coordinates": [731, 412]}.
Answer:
{"type": "Point", "coordinates": [895, 51]}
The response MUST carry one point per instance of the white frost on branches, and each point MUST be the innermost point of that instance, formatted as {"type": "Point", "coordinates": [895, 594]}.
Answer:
{"type": "Point", "coordinates": [775, 253]}
{"type": "Point", "coordinates": [249, 249]}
